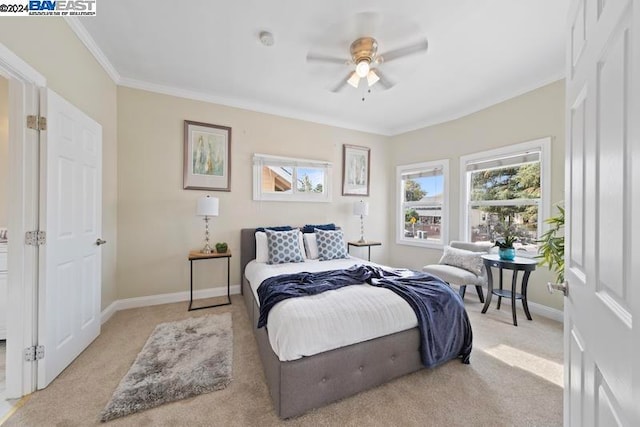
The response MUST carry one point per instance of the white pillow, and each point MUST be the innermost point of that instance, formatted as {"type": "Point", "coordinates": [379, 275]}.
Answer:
{"type": "Point", "coordinates": [311, 245]}
{"type": "Point", "coordinates": [262, 248]}
{"type": "Point", "coordinates": [467, 260]}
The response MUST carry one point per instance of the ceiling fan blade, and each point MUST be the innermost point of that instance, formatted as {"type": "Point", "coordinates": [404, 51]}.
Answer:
{"type": "Point", "coordinates": [383, 81]}
{"type": "Point", "coordinates": [317, 57]}
{"type": "Point", "coordinates": [342, 83]}
{"type": "Point", "coordinates": [405, 51]}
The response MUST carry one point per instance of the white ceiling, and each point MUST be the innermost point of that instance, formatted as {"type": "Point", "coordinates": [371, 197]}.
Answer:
{"type": "Point", "coordinates": [480, 53]}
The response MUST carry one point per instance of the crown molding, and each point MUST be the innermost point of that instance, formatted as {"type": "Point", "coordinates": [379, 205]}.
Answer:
{"type": "Point", "coordinates": [84, 36]}
{"type": "Point", "coordinates": [474, 108]}
{"type": "Point", "coordinates": [248, 105]}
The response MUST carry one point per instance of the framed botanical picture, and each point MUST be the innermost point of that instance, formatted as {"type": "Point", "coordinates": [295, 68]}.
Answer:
{"type": "Point", "coordinates": [355, 170]}
{"type": "Point", "coordinates": [207, 157]}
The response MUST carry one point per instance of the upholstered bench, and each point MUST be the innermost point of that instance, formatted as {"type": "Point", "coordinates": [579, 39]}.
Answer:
{"type": "Point", "coordinates": [462, 265]}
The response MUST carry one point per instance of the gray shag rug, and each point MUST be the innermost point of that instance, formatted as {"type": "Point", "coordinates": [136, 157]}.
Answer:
{"type": "Point", "coordinates": [179, 360]}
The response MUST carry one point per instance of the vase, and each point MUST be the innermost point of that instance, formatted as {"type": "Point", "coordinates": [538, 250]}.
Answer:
{"type": "Point", "coordinates": [507, 253]}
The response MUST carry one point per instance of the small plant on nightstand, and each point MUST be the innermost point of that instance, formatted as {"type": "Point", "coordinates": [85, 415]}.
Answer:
{"type": "Point", "coordinates": [221, 247]}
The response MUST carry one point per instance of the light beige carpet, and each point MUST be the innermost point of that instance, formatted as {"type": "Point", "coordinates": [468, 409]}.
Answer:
{"type": "Point", "coordinates": [514, 379]}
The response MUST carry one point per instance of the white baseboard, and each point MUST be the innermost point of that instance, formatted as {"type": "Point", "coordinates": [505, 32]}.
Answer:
{"type": "Point", "coordinates": [146, 301]}
{"type": "Point", "coordinates": [108, 312]}
{"type": "Point", "coordinates": [548, 312]}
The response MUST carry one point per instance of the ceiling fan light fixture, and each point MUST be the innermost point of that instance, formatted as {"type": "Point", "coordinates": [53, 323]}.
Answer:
{"type": "Point", "coordinates": [372, 78]}
{"type": "Point", "coordinates": [354, 80]}
{"type": "Point", "coordinates": [362, 69]}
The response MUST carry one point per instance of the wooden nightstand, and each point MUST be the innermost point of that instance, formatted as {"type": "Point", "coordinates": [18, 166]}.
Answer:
{"type": "Point", "coordinates": [197, 255]}
{"type": "Point", "coordinates": [363, 244]}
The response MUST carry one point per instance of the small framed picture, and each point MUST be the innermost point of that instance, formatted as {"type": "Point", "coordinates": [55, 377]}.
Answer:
{"type": "Point", "coordinates": [207, 157]}
{"type": "Point", "coordinates": [355, 170]}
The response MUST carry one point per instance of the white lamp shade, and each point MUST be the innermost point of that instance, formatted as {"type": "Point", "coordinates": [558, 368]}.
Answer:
{"type": "Point", "coordinates": [207, 206]}
{"type": "Point", "coordinates": [354, 80]}
{"type": "Point", "coordinates": [372, 78]}
{"type": "Point", "coordinates": [361, 208]}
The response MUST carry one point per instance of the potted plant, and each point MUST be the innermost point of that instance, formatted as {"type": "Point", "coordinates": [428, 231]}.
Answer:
{"type": "Point", "coordinates": [221, 247]}
{"type": "Point", "coordinates": [505, 242]}
{"type": "Point", "coordinates": [551, 250]}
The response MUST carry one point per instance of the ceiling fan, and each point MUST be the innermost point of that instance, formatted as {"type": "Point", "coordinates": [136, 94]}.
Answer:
{"type": "Point", "coordinates": [365, 60]}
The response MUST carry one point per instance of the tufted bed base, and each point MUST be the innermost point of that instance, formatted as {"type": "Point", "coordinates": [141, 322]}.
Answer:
{"type": "Point", "coordinates": [300, 385]}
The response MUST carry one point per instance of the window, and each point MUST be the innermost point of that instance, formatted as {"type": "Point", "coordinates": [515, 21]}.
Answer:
{"type": "Point", "coordinates": [423, 204]}
{"type": "Point", "coordinates": [508, 186]}
{"type": "Point", "coordinates": [287, 179]}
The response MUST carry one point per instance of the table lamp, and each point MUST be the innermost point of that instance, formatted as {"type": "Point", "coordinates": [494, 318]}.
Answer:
{"type": "Point", "coordinates": [207, 206]}
{"type": "Point", "coordinates": [361, 208]}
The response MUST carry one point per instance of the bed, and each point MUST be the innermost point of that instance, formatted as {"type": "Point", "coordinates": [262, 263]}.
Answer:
{"type": "Point", "coordinates": [299, 382]}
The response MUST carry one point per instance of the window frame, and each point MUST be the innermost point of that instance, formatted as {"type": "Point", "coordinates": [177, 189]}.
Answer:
{"type": "Point", "coordinates": [261, 160]}
{"type": "Point", "coordinates": [544, 205]}
{"type": "Point", "coordinates": [444, 222]}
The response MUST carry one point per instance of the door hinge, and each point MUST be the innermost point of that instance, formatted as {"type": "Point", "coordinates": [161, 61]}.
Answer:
{"type": "Point", "coordinates": [35, 238]}
{"type": "Point", "coordinates": [37, 122]}
{"type": "Point", "coordinates": [34, 353]}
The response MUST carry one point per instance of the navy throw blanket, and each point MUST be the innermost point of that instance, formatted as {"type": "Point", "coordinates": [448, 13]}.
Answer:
{"type": "Point", "coordinates": [445, 330]}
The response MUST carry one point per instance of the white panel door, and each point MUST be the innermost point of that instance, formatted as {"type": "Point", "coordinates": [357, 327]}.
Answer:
{"type": "Point", "coordinates": [70, 261]}
{"type": "Point", "coordinates": [601, 257]}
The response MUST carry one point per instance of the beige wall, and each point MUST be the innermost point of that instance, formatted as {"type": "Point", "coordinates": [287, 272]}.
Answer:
{"type": "Point", "coordinates": [536, 114]}
{"type": "Point", "coordinates": [51, 47]}
{"type": "Point", "coordinates": [157, 225]}
{"type": "Point", "coordinates": [4, 149]}
{"type": "Point", "coordinates": [151, 218]}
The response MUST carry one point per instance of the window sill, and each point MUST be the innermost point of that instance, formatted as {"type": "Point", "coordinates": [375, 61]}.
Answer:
{"type": "Point", "coordinates": [420, 244]}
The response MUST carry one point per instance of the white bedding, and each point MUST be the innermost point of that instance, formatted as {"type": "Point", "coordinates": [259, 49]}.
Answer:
{"type": "Point", "coordinates": [313, 324]}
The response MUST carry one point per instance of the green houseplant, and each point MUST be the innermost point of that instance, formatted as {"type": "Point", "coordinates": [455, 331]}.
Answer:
{"type": "Point", "coordinates": [221, 247]}
{"type": "Point", "coordinates": [551, 250]}
{"type": "Point", "coordinates": [506, 240]}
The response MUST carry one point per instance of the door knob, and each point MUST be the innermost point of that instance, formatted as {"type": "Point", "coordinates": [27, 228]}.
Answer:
{"type": "Point", "coordinates": [100, 242]}
{"type": "Point", "coordinates": [562, 287]}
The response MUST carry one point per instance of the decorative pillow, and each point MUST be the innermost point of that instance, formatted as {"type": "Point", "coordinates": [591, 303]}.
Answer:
{"type": "Point", "coordinates": [284, 246]}
{"type": "Point", "coordinates": [330, 244]}
{"type": "Point", "coordinates": [310, 228]}
{"type": "Point", "coordinates": [467, 260]}
{"type": "Point", "coordinates": [311, 245]}
{"type": "Point", "coordinates": [262, 247]}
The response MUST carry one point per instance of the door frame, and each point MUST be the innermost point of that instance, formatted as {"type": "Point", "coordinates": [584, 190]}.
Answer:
{"type": "Point", "coordinates": [24, 85]}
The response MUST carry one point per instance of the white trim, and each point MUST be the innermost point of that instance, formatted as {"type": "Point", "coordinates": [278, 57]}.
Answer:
{"type": "Point", "coordinates": [84, 36]}
{"type": "Point", "coordinates": [544, 311]}
{"type": "Point", "coordinates": [484, 103]}
{"type": "Point", "coordinates": [444, 222]}
{"type": "Point", "coordinates": [146, 301]}
{"type": "Point", "coordinates": [14, 65]}
{"type": "Point", "coordinates": [247, 104]}
{"type": "Point", "coordinates": [544, 144]}
{"type": "Point", "coordinates": [23, 216]}
{"type": "Point", "coordinates": [108, 312]}
{"type": "Point", "coordinates": [261, 160]}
